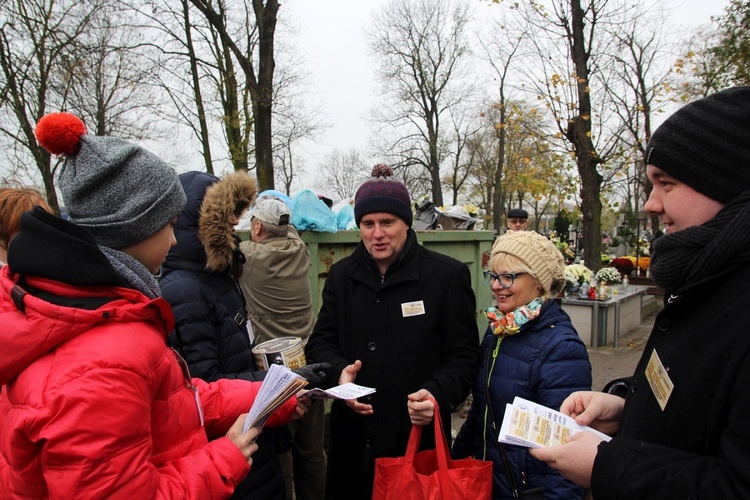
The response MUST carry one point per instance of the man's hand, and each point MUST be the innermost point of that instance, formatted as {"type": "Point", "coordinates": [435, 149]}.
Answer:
{"type": "Point", "coordinates": [244, 441]}
{"type": "Point", "coordinates": [599, 410]}
{"type": "Point", "coordinates": [315, 374]}
{"type": "Point", "coordinates": [421, 411]}
{"type": "Point", "coordinates": [349, 374]}
{"type": "Point", "coordinates": [574, 459]}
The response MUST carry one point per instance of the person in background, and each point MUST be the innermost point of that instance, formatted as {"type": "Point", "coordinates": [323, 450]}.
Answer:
{"type": "Point", "coordinates": [681, 431]}
{"type": "Point", "coordinates": [279, 304]}
{"type": "Point", "coordinates": [531, 350]}
{"type": "Point", "coordinates": [211, 328]}
{"type": "Point", "coordinates": [13, 203]}
{"type": "Point", "coordinates": [517, 219]}
{"type": "Point", "coordinates": [94, 402]}
{"type": "Point", "coordinates": [399, 318]}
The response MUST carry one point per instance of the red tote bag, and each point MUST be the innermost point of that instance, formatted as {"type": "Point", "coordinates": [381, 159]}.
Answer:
{"type": "Point", "coordinates": [431, 474]}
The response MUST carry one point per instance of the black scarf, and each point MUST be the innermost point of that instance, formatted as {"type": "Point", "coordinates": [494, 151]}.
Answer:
{"type": "Point", "coordinates": [691, 256]}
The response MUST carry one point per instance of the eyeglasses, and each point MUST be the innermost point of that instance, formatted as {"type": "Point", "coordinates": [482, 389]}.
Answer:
{"type": "Point", "coordinates": [505, 280]}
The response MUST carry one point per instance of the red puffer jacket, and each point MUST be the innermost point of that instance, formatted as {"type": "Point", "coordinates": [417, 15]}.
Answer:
{"type": "Point", "coordinates": [95, 404]}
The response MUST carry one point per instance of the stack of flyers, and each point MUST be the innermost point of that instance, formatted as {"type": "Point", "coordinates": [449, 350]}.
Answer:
{"type": "Point", "coordinates": [529, 424]}
{"type": "Point", "coordinates": [279, 384]}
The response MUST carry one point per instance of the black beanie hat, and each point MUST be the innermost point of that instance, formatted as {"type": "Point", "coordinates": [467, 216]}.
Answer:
{"type": "Point", "coordinates": [706, 144]}
{"type": "Point", "coordinates": [383, 194]}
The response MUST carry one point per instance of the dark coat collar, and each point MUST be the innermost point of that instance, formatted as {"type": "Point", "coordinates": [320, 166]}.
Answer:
{"type": "Point", "coordinates": [404, 268]}
{"type": "Point", "coordinates": [48, 246]}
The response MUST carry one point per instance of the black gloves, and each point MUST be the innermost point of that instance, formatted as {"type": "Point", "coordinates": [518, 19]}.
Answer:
{"type": "Point", "coordinates": [315, 373]}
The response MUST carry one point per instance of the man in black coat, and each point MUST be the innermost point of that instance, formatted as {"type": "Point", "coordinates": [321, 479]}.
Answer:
{"type": "Point", "coordinates": [682, 430]}
{"type": "Point", "coordinates": [396, 317]}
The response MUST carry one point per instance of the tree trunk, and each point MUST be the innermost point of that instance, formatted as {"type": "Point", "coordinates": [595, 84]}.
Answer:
{"type": "Point", "coordinates": [498, 200]}
{"type": "Point", "coordinates": [43, 161]}
{"type": "Point", "coordinates": [266, 19]}
{"type": "Point", "coordinates": [261, 87]}
{"type": "Point", "coordinates": [201, 111]}
{"type": "Point", "coordinates": [579, 133]}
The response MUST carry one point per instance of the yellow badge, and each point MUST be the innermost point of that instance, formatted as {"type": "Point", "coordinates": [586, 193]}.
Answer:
{"type": "Point", "coordinates": [658, 379]}
{"type": "Point", "coordinates": [412, 308]}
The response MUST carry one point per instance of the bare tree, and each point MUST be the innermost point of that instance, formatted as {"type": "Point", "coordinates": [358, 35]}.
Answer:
{"type": "Point", "coordinates": [500, 53]}
{"type": "Point", "coordinates": [568, 64]}
{"type": "Point", "coordinates": [35, 38]}
{"type": "Point", "coordinates": [341, 173]}
{"type": "Point", "coordinates": [184, 64]}
{"type": "Point", "coordinates": [296, 118]}
{"type": "Point", "coordinates": [639, 90]}
{"type": "Point", "coordinates": [106, 81]}
{"type": "Point", "coordinates": [242, 46]}
{"type": "Point", "coordinates": [198, 60]}
{"type": "Point", "coordinates": [293, 127]}
{"type": "Point", "coordinates": [200, 110]}
{"type": "Point", "coordinates": [464, 129]}
{"type": "Point", "coordinates": [422, 46]}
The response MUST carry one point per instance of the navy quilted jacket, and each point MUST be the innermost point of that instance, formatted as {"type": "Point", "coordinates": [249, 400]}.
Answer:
{"type": "Point", "coordinates": [544, 363]}
{"type": "Point", "coordinates": [211, 330]}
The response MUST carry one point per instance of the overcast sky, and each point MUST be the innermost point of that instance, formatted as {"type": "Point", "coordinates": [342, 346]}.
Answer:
{"type": "Point", "coordinates": [331, 36]}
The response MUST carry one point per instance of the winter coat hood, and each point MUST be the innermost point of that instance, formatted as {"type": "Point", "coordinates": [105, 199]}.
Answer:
{"type": "Point", "coordinates": [204, 229]}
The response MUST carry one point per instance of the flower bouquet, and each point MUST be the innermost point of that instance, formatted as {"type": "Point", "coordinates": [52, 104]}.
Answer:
{"type": "Point", "coordinates": [623, 264]}
{"type": "Point", "coordinates": [575, 276]}
{"type": "Point", "coordinates": [609, 275]}
{"type": "Point", "coordinates": [643, 263]}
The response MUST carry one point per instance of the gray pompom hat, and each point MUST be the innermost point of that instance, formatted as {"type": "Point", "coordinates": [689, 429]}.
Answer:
{"type": "Point", "coordinates": [119, 191]}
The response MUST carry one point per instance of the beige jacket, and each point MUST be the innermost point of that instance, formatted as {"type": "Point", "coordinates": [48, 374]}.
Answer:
{"type": "Point", "coordinates": [276, 286]}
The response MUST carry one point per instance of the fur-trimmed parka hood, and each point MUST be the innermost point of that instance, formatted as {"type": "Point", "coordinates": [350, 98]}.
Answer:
{"type": "Point", "coordinates": [222, 207]}
{"type": "Point", "coordinates": [204, 231]}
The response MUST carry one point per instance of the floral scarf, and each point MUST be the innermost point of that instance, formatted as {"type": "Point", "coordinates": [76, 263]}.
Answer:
{"type": "Point", "coordinates": [511, 323]}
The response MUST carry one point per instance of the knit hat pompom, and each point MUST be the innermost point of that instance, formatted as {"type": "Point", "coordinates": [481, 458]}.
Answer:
{"type": "Point", "coordinates": [60, 133]}
{"type": "Point", "coordinates": [381, 193]}
{"type": "Point", "coordinates": [117, 190]}
{"type": "Point", "coordinates": [537, 252]}
{"type": "Point", "coordinates": [381, 171]}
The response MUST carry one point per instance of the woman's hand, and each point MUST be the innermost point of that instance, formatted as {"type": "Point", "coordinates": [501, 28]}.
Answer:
{"type": "Point", "coordinates": [245, 441]}
{"type": "Point", "coordinates": [421, 411]}
{"type": "Point", "coordinates": [599, 410]}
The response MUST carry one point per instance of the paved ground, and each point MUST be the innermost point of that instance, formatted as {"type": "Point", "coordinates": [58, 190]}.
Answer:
{"type": "Point", "coordinates": [607, 363]}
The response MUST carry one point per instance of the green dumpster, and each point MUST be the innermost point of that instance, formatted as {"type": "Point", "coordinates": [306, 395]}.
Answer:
{"type": "Point", "coordinates": [465, 246]}
{"type": "Point", "coordinates": [468, 247]}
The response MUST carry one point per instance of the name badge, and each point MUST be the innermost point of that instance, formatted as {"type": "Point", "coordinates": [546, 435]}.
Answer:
{"type": "Point", "coordinates": [412, 308]}
{"type": "Point", "coordinates": [658, 379]}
